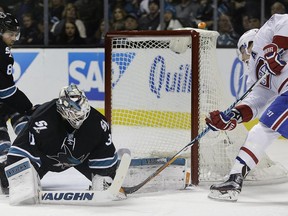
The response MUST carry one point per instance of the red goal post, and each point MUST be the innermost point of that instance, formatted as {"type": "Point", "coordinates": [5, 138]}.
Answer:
{"type": "Point", "coordinates": [159, 86]}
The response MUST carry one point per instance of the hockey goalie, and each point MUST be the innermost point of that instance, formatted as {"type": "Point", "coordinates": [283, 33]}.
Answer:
{"type": "Point", "coordinates": [63, 133]}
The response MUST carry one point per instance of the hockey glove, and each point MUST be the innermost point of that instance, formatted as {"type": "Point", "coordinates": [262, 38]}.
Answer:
{"type": "Point", "coordinates": [101, 183]}
{"type": "Point", "coordinates": [273, 56]}
{"type": "Point", "coordinates": [220, 121]}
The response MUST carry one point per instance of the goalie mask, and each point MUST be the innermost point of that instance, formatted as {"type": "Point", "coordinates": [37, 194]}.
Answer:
{"type": "Point", "coordinates": [73, 105]}
{"type": "Point", "coordinates": [244, 42]}
{"type": "Point", "coordinates": [9, 24]}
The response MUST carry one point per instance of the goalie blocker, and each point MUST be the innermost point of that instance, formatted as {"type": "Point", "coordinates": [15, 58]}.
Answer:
{"type": "Point", "coordinates": [25, 187]}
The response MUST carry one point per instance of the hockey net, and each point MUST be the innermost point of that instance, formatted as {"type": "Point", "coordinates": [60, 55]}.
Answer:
{"type": "Point", "coordinates": [159, 87]}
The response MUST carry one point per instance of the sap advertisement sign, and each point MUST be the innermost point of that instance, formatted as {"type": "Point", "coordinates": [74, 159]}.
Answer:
{"type": "Point", "coordinates": [41, 73]}
{"type": "Point", "coordinates": [87, 71]}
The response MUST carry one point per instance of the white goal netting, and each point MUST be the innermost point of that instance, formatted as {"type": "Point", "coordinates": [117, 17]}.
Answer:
{"type": "Point", "coordinates": [151, 91]}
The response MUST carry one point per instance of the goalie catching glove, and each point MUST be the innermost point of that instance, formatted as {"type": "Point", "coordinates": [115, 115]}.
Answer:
{"type": "Point", "coordinates": [273, 57]}
{"type": "Point", "coordinates": [221, 121]}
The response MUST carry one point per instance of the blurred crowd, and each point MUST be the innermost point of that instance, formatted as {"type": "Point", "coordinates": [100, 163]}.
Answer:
{"type": "Point", "coordinates": [81, 22]}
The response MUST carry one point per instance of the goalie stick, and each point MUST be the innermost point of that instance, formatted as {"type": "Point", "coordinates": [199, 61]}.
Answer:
{"type": "Point", "coordinates": [89, 197]}
{"type": "Point", "coordinates": [130, 190]}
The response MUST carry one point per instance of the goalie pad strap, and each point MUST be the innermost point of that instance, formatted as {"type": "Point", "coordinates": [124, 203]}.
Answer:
{"type": "Point", "coordinates": [245, 111]}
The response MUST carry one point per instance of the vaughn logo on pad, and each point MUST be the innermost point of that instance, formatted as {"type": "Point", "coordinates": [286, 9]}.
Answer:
{"type": "Point", "coordinates": [67, 196]}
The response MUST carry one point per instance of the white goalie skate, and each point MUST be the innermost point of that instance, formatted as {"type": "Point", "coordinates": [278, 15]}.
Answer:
{"type": "Point", "coordinates": [229, 190]}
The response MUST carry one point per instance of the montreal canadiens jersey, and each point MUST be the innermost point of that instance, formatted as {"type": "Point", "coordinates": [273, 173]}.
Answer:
{"type": "Point", "coordinates": [272, 86]}
{"type": "Point", "coordinates": [54, 144]}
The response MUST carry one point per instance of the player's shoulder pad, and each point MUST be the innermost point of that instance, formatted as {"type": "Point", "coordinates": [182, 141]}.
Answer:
{"type": "Point", "coordinates": [43, 108]}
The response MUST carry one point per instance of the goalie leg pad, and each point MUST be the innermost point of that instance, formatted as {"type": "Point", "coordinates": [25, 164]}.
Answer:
{"type": "Point", "coordinates": [24, 183]}
{"type": "Point", "coordinates": [114, 192]}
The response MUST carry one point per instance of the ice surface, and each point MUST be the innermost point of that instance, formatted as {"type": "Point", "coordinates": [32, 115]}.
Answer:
{"type": "Point", "coordinates": [265, 200]}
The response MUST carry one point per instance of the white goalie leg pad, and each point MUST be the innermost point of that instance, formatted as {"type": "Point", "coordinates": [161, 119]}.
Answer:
{"type": "Point", "coordinates": [90, 197]}
{"type": "Point", "coordinates": [24, 183]}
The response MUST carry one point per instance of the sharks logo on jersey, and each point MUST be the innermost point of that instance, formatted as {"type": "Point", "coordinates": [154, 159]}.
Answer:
{"type": "Point", "coordinates": [65, 158]}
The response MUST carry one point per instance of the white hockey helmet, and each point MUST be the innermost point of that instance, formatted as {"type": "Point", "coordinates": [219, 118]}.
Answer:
{"type": "Point", "coordinates": [73, 105]}
{"type": "Point", "coordinates": [244, 42]}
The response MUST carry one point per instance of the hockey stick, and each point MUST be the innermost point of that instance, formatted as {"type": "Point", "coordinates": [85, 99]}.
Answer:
{"type": "Point", "coordinates": [89, 197]}
{"type": "Point", "coordinates": [130, 190]}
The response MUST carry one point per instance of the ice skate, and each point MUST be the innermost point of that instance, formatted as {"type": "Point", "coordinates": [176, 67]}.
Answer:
{"type": "Point", "coordinates": [229, 190]}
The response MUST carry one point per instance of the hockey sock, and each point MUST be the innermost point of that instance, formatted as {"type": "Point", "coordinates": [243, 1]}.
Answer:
{"type": "Point", "coordinates": [258, 139]}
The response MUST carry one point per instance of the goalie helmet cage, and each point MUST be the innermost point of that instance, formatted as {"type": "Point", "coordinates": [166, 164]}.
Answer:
{"type": "Point", "coordinates": [159, 86]}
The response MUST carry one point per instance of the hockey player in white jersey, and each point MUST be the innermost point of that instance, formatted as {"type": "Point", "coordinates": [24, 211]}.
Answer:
{"type": "Point", "coordinates": [263, 49]}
